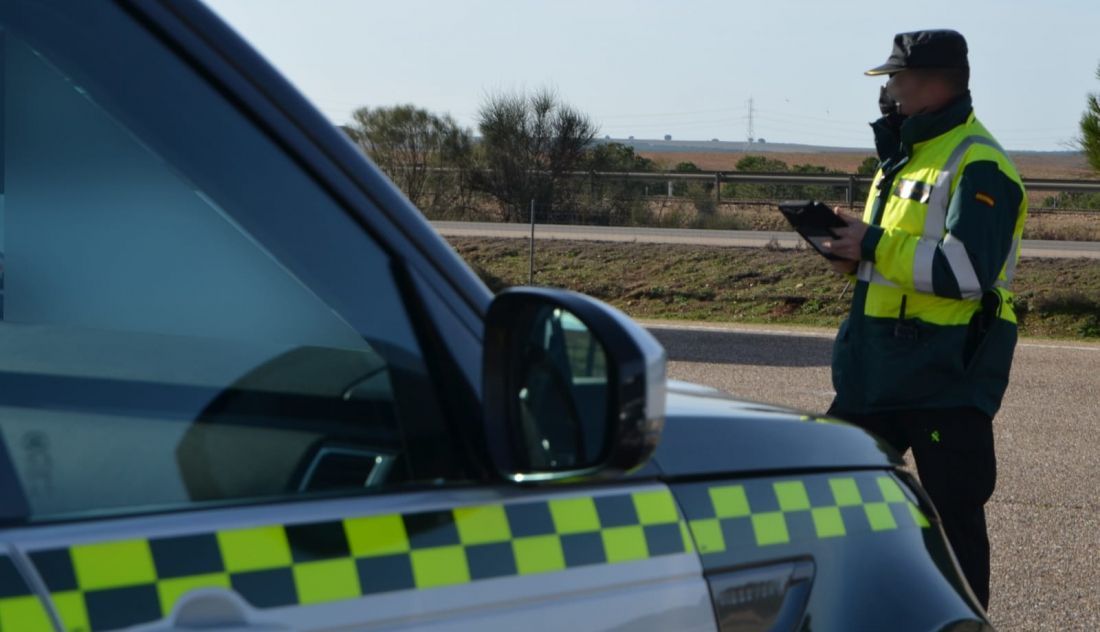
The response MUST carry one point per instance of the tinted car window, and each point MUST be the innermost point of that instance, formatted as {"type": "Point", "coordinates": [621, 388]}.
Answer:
{"type": "Point", "coordinates": [188, 321]}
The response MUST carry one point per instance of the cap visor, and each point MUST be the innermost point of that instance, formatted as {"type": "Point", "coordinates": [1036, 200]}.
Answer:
{"type": "Point", "coordinates": [884, 69]}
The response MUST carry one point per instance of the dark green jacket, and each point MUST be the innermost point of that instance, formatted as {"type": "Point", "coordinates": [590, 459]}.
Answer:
{"type": "Point", "coordinates": [899, 361]}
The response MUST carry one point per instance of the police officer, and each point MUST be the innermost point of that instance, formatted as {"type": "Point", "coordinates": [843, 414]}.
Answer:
{"type": "Point", "coordinates": [923, 359]}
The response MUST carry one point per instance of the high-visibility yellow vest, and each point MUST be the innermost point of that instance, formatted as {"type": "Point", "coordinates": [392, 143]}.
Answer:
{"type": "Point", "coordinates": [922, 191]}
{"type": "Point", "coordinates": [929, 327]}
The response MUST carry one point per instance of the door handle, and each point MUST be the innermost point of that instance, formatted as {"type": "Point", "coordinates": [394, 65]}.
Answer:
{"type": "Point", "coordinates": [212, 609]}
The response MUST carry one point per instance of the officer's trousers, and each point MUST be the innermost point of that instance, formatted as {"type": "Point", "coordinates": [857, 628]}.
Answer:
{"type": "Point", "coordinates": [954, 452]}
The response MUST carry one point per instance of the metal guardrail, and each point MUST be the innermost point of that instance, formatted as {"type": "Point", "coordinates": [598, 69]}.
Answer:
{"type": "Point", "coordinates": [849, 182]}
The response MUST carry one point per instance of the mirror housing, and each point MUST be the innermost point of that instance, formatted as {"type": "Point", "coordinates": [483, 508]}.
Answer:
{"type": "Point", "coordinates": [535, 402]}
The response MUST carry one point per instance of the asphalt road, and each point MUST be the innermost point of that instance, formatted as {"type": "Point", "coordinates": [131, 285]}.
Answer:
{"type": "Point", "coordinates": [742, 238]}
{"type": "Point", "coordinates": [1044, 518]}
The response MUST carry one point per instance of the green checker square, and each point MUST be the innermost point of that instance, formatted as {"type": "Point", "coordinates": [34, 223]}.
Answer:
{"type": "Point", "coordinates": [770, 528]}
{"type": "Point", "coordinates": [24, 613]}
{"type": "Point", "coordinates": [574, 515]}
{"type": "Point", "coordinates": [170, 590]}
{"type": "Point", "coordinates": [70, 607]}
{"type": "Point", "coordinates": [538, 554]}
{"type": "Point", "coordinates": [845, 492]}
{"type": "Point", "coordinates": [828, 522]}
{"type": "Point", "coordinates": [372, 536]}
{"type": "Point", "coordinates": [791, 496]}
{"type": "Point", "coordinates": [625, 544]}
{"type": "Point", "coordinates": [254, 549]}
{"type": "Point", "coordinates": [891, 492]}
{"type": "Point", "coordinates": [918, 517]}
{"type": "Point", "coordinates": [482, 525]}
{"type": "Point", "coordinates": [440, 566]}
{"type": "Point", "coordinates": [330, 580]}
{"type": "Point", "coordinates": [708, 535]}
{"type": "Point", "coordinates": [113, 564]}
{"type": "Point", "coordinates": [729, 501]}
{"type": "Point", "coordinates": [880, 516]}
{"type": "Point", "coordinates": [656, 507]}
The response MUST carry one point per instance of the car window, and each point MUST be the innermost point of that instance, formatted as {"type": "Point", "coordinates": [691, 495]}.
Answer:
{"type": "Point", "coordinates": [186, 317]}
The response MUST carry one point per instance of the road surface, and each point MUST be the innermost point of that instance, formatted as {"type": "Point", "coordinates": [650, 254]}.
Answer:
{"type": "Point", "coordinates": [740, 238]}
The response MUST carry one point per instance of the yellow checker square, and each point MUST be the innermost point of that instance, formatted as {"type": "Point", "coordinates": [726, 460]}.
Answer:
{"type": "Point", "coordinates": [729, 501]}
{"type": "Point", "coordinates": [113, 564]}
{"type": "Point", "coordinates": [685, 534]}
{"type": "Point", "coordinates": [791, 495]}
{"type": "Point", "coordinates": [171, 590]}
{"type": "Point", "coordinates": [371, 536]}
{"type": "Point", "coordinates": [70, 607]}
{"type": "Point", "coordinates": [330, 580]}
{"type": "Point", "coordinates": [539, 554]}
{"type": "Point", "coordinates": [482, 525]}
{"type": "Point", "coordinates": [845, 492]}
{"type": "Point", "coordinates": [708, 535]}
{"type": "Point", "coordinates": [254, 549]}
{"type": "Point", "coordinates": [25, 614]}
{"type": "Point", "coordinates": [574, 515]}
{"type": "Point", "coordinates": [625, 544]}
{"type": "Point", "coordinates": [828, 522]}
{"type": "Point", "coordinates": [891, 492]}
{"type": "Point", "coordinates": [918, 516]}
{"type": "Point", "coordinates": [440, 566]}
{"type": "Point", "coordinates": [656, 507]}
{"type": "Point", "coordinates": [880, 516]}
{"type": "Point", "coordinates": [770, 528]}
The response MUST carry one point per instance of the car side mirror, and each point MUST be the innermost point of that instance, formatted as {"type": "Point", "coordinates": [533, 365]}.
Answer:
{"type": "Point", "coordinates": [573, 388]}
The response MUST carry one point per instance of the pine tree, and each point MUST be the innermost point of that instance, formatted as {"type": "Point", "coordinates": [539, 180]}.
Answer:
{"type": "Point", "coordinates": [1090, 129]}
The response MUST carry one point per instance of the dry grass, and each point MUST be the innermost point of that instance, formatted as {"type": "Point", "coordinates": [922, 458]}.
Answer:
{"type": "Point", "coordinates": [1040, 165]}
{"type": "Point", "coordinates": [1057, 298]}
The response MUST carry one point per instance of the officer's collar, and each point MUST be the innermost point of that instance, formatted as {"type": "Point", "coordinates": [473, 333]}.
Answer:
{"type": "Point", "coordinates": [895, 135]}
{"type": "Point", "coordinates": [922, 127]}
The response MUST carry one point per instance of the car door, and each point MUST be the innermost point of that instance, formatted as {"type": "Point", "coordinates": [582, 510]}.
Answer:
{"type": "Point", "coordinates": [227, 399]}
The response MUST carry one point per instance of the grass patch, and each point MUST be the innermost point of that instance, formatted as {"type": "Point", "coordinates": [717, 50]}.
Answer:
{"type": "Point", "coordinates": [1056, 298]}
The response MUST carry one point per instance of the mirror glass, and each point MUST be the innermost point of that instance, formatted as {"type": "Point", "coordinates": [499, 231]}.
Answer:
{"type": "Point", "coordinates": [561, 389]}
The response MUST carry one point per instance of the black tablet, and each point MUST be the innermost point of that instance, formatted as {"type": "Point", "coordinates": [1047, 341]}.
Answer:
{"type": "Point", "coordinates": [814, 221]}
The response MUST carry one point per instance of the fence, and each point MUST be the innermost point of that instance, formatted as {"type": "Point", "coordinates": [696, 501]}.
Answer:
{"type": "Point", "coordinates": [714, 199]}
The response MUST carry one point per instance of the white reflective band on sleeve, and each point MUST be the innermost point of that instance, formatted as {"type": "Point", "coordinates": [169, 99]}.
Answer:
{"type": "Point", "coordinates": [935, 219]}
{"type": "Point", "coordinates": [1010, 264]}
{"type": "Point", "coordinates": [922, 264]}
{"type": "Point", "coordinates": [867, 272]}
{"type": "Point", "coordinates": [959, 260]}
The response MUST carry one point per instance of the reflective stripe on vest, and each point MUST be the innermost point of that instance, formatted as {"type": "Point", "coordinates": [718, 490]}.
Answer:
{"type": "Point", "coordinates": [935, 223]}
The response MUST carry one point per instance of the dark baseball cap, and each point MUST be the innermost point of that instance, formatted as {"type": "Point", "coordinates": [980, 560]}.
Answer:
{"type": "Point", "coordinates": [925, 49]}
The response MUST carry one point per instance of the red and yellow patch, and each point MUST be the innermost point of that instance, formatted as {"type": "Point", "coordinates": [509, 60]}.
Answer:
{"type": "Point", "coordinates": [985, 199]}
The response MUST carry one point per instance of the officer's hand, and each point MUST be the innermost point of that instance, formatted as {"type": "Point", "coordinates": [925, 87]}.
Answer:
{"type": "Point", "coordinates": [844, 267]}
{"type": "Point", "coordinates": [848, 241]}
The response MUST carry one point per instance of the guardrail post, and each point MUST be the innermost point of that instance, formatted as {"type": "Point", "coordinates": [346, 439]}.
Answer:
{"type": "Point", "coordinates": [717, 189]}
{"type": "Point", "coordinates": [531, 258]}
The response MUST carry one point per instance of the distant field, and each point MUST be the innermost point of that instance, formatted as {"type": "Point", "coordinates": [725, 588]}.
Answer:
{"type": "Point", "coordinates": [1031, 165]}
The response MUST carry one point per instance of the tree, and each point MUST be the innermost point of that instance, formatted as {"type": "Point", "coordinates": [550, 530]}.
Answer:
{"type": "Point", "coordinates": [614, 200]}
{"type": "Point", "coordinates": [868, 167]}
{"type": "Point", "coordinates": [757, 164]}
{"type": "Point", "coordinates": [529, 144]}
{"type": "Point", "coordinates": [426, 155]}
{"type": "Point", "coordinates": [616, 157]}
{"type": "Point", "coordinates": [1090, 128]}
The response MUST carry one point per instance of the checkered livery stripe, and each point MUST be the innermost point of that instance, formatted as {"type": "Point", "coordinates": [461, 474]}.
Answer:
{"type": "Point", "coordinates": [773, 512]}
{"type": "Point", "coordinates": [20, 609]}
{"type": "Point", "coordinates": [111, 585]}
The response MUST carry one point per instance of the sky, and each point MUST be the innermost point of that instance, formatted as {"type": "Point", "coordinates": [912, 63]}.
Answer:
{"type": "Point", "coordinates": [689, 68]}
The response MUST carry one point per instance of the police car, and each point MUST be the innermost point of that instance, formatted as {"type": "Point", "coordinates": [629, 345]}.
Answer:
{"type": "Point", "coordinates": [245, 386]}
